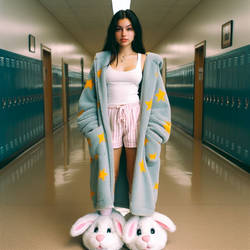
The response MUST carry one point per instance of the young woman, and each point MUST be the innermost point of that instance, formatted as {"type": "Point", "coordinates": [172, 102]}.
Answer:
{"type": "Point", "coordinates": [124, 112]}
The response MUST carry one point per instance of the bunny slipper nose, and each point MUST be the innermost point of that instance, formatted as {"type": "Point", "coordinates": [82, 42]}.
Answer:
{"type": "Point", "coordinates": [146, 238]}
{"type": "Point", "coordinates": [99, 237]}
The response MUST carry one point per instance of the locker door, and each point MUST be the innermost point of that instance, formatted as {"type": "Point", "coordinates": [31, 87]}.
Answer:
{"type": "Point", "coordinates": [65, 92]}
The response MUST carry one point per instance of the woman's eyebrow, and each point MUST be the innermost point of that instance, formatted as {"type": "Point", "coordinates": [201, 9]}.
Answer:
{"type": "Point", "coordinates": [118, 26]}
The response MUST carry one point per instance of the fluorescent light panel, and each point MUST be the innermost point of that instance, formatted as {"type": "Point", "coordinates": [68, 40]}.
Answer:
{"type": "Point", "coordinates": [120, 5]}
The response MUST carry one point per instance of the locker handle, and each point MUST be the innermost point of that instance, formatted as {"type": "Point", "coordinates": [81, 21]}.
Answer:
{"type": "Point", "coordinates": [222, 101]}
{"type": "Point", "coordinates": [232, 102]}
{"type": "Point", "coordinates": [239, 103]}
{"type": "Point", "coordinates": [4, 104]}
{"type": "Point", "coordinates": [218, 100]}
{"type": "Point", "coordinates": [9, 102]}
{"type": "Point", "coordinates": [246, 103]}
{"type": "Point", "coordinates": [214, 99]}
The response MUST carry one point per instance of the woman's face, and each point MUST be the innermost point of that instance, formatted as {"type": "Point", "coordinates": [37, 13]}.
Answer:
{"type": "Point", "coordinates": [124, 32]}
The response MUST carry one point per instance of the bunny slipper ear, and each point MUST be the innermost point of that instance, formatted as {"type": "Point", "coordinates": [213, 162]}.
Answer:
{"type": "Point", "coordinates": [119, 222]}
{"type": "Point", "coordinates": [130, 229]}
{"type": "Point", "coordinates": [164, 221]}
{"type": "Point", "coordinates": [82, 224]}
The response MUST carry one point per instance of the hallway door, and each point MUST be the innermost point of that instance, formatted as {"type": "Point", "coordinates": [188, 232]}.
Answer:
{"type": "Point", "coordinates": [200, 50]}
{"type": "Point", "coordinates": [47, 88]}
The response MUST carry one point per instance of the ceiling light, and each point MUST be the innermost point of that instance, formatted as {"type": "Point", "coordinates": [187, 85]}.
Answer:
{"type": "Point", "coordinates": [120, 5]}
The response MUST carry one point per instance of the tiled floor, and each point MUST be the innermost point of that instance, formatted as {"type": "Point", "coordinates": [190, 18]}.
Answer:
{"type": "Point", "coordinates": [44, 191]}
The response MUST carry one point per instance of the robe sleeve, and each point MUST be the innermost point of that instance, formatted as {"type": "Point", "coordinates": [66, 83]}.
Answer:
{"type": "Point", "coordinates": [160, 117]}
{"type": "Point", "coordinates": [87, 119]}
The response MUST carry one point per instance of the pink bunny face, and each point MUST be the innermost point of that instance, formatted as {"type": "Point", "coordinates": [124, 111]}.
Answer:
{"type": "Point", "coordinates": [100, 232]}
{"type": "Point", "coordinates": [147, 233]}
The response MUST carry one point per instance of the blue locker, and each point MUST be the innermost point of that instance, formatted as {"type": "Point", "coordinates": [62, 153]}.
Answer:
{"type": "Point", "coordinates": [18, 110]}
{"type": "Point", "coordinates": [226, 97]}
{"type": "Point", "coordinates": [3, 96]}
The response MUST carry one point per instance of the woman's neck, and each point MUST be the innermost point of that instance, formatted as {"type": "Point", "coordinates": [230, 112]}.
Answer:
{"type": "Point", "coordinates": [126, 51]}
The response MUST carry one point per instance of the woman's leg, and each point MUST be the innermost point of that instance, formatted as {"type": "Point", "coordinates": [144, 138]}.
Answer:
{"type": "Point", "coordinates": [130, 158]}
{"type": "Point", "coordinates": [117, 156]}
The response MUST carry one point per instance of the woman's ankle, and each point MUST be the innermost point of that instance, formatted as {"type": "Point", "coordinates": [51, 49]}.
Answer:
{"type": "Point", "coordinates": [105, 211]}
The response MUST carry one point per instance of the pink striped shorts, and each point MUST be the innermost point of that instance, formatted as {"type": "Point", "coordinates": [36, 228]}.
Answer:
{"type": "Point", "coordinates": [124, 122]}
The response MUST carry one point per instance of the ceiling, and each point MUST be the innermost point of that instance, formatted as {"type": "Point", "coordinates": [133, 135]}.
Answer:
{"type": "Point", "coordinates": [88, 20]}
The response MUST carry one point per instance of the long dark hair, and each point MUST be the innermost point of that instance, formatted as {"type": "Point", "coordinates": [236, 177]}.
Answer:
{"type": "Point", "coordinates": [111, 44]}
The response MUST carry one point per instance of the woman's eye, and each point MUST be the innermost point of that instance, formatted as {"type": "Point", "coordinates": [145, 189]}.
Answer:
{"type": "Point", "coordinates": [152, 231]}
{"type": "Point", "coordinates": [138, 232]}
{"type": "Point", "coordinates": [130, 28]}
{"type": "Point", "coordinates": [109, 230]}
{"type": "Point", "coordinates": [96, 229]}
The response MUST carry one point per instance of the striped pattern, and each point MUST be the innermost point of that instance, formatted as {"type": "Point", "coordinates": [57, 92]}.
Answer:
{"type": "Point", "coordinates": [124, 122]}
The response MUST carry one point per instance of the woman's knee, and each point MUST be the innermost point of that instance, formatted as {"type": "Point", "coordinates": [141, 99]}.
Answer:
{"type": "Point", "coordinates": [117, 156]}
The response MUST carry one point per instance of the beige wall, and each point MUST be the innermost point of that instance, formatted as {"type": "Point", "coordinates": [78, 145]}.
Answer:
{"type": "Point", "coordinates": [20, 18]}
{"type": "Point", "coordinates": [204, 23]}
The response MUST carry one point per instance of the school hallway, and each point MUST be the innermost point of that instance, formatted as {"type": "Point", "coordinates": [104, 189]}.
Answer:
{"type": "Point", "coordinates": [46, 189]}
{"type": "Point", "coordinates": [201, 52]}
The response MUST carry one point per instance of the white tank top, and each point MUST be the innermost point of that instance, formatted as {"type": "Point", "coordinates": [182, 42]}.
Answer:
{"type": "Point", "coordinates": [123, 85]}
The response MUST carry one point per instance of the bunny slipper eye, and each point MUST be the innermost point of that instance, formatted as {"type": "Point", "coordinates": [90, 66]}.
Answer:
{"type": "Point", "coordinates": [96, 229]}
{"type": "Point", "coordinates": [109, 230]}
{"type": "Point", "coordinates": [138, 232]}
{"type": "Point", "coordinates": [152, 231]}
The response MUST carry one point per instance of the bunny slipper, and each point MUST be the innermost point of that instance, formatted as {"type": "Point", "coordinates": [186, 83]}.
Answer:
{"type": "Point", "coordinates": [147, 233]}
{"type": "Point", "coordinates": [100, 232]}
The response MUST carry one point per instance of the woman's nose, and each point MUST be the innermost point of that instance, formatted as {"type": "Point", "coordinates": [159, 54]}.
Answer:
{"type": "Point", "coordinates": [124, 32]}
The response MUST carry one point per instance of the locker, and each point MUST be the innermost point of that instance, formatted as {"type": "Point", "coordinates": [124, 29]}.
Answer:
{"type": "Point", "coordinates": [226, 111]}
{"type": "Point", "coordinates": [17, 85]}
{"type": "Point", "coordinates": [180, 87]}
